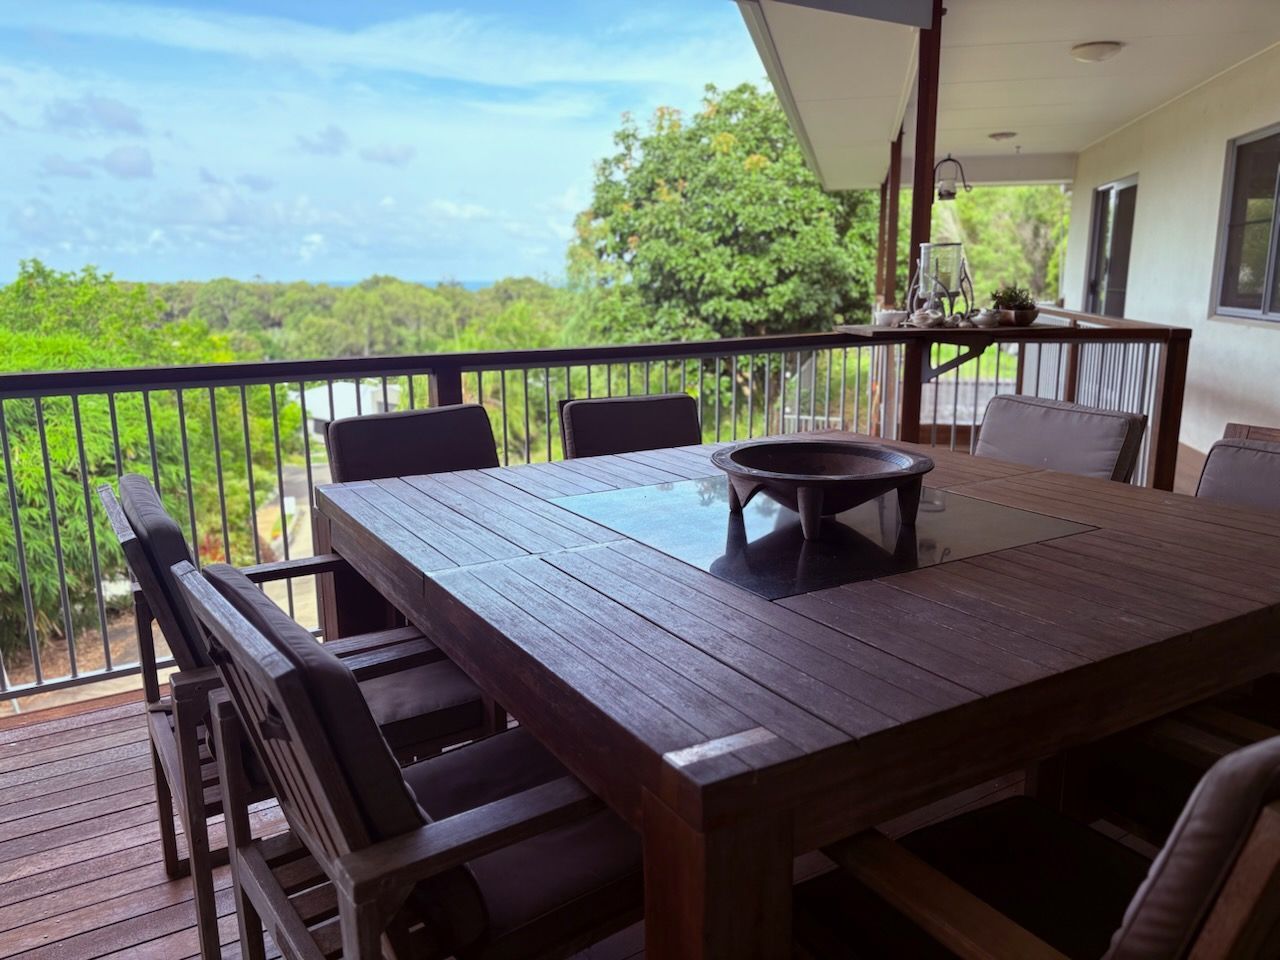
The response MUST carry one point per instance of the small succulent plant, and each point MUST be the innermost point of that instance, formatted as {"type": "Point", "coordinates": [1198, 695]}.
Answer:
{"type": "Point", "coordinates": [1012, 298]}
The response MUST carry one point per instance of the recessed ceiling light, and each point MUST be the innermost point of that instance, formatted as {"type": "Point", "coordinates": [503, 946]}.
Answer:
{"type": "Point", "coordinates": [1096, 51]}
{"type": "Point", "coordinates": [1003, 135]}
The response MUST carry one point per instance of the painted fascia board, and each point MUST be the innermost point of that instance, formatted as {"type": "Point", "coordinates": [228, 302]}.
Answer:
{"type": "Point", "coordinates": [911, 13]}
{"type": "Point", "coordinates": [758, 26]}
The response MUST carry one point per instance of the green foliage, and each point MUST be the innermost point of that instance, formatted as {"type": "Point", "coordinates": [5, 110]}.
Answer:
{"type": "Point", "coordinates": [55, 320]}
{"type": "Point", "coordinates": [715, 227]}
{"type": "Point", "coordinates": [1012, 297]}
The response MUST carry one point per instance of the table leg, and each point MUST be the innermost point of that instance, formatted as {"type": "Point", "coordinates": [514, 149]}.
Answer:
{"type": "Point", "coordinates": [722, 895]}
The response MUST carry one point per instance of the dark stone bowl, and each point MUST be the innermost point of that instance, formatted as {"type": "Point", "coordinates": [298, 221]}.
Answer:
{"type": "Point", "coordinates": [819, 478]}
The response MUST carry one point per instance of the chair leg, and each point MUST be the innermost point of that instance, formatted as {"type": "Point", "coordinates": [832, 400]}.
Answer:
{"type": "Point", "coordinates": [174, 866]}
{"type": "Point", "coordinates": [495, 716]}
{"type": "Point", "coordinates": [188, 714]}
{"type": "Point", "coordinates": [361, 929]}
{"type": "Point", "coordinates": [239, 835]}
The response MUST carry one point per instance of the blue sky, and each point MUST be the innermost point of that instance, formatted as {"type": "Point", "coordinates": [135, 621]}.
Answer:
{"type": "Point", "coordinates": [328, 140]}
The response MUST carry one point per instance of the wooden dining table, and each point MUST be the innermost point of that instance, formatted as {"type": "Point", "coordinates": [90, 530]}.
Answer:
{"type": "Point", "coordinates": [736, 726]}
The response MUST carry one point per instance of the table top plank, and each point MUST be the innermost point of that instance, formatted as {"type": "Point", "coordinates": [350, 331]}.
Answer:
{"type": "Point", "coordinates": [349, 501]}
{"type": "Point", "coordinates": [801, 707]}
{"type": "Point", "coordinates": [510, 513]}
{"type": "Point", "coordinates": [895, 686]}
{"type": "Point", "coordinates": [475, 542]}
{"type": "Point", "coordinates": [545, 480]}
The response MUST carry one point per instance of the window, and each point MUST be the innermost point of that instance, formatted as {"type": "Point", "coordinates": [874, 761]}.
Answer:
{"type": "Point", "coordinates": [1249, 281]}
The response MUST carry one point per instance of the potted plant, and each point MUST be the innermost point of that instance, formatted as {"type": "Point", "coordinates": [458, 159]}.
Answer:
{"type": "Point", "coordinates": [1014, 306]}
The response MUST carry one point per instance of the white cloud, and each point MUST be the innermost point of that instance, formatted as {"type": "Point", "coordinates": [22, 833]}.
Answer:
{"type": "Point", "coordinates": [329, 142]}
{"type": "Point", "coordinates": [255, 182]}
{"type": "Point", "coordinates": [393, 155]}
{"type": "Point", "coordinates": [93, 114]}
{"type": "Point", "coordinates": [312, 244]}
{"type": "Point", "coordinates": [56, 165]}
{"type": "Point", "coordinates": [128, 163]}
{"type": "Point", "coordinates": [459, 211]}
{"type": "Point", "coordinates": [447, 45]}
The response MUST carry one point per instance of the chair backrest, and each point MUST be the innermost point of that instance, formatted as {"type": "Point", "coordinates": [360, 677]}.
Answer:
{"type": "Point", "coordinates": [305, 717]}
{"type": "Point", "coordinates": [1243, 468]}
{"type": "Point", "coordinates": [594, 428]}
{"type": "Point", "coordinates": [153, 542]}
{"type": "Point", "coordinates": [351, 736]}
{"type": "Point", "coordinates": [411, 442]}
{"type": "Point", "coordinates": [1210, 883]}
{"type": "Point", "coordinates": [1056, 435]}
{"type": "Point", "coordinates": [1250, 431]}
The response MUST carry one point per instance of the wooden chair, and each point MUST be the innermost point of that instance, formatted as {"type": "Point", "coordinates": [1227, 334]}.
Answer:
{"type": "Point", "coordinates": [410, 443]}
{"type": "Point", "coordinates": [1016, 880]}
{"type": "Point", "coordinates": [594, 428]}
{"type": "Point", "coordinates": [400, 444]}
{"type": "Point", "coordinates": [423, 699]}
{"type": "Point", "coordinates": [1062, 436]}
{"type": "Point", "coordinates": [487, 851]}
{"type": "Point", "coordinates": [1243, 468]}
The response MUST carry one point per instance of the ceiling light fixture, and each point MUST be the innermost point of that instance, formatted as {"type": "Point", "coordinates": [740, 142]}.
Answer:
{"type": "Point", "coordinates": [1096, 50]}
{"type": "Point", "coordinates": [1003, 135]}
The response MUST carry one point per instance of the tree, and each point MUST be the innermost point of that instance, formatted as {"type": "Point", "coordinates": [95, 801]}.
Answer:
{"type": "Point", "coordinates": [716, 228]}
{"type": "Point", "coordinates": [51, 320]}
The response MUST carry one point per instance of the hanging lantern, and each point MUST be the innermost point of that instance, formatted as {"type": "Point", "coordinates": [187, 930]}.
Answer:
{"type": "Point", "coordinates": [946, 173]}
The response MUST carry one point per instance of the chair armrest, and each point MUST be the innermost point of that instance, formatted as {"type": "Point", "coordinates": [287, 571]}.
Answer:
{"type": "Point", "coordinates": [194, 684]}
{"type": "Point", "coordinates": [1185, 741]}
{"type": "Point", "coordinates": [391, 867]}
{"type": "Point", "coordinates": [941, 907]}
{"type": "Point", "coordinates": [300, 567]}
{"type": "Point", "coordinates": [403, 656]}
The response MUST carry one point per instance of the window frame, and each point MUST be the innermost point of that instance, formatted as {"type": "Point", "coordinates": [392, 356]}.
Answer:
{"type": "Point", "coordinates": [1270, 309]}
{"type": "Point", "coordinates": [1095, 221]}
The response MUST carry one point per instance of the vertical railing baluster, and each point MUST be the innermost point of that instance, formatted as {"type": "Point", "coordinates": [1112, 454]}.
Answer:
{"type": "Point", "coordinates": [386, 396]}
{"type": "Point", "coordinates": [826, 403]}
{"type": "Point", "coordinates": [546, 404]}
{"type": "Point", "coordinates": [67, 625]}
{"type": "Point", "coordinates": [588, 381]}
{"type": "Point", "coordinates": [151, 439]}
{"type": "Point", "coordinates": [93, 534]}
{"type": "Point", "coordinates": [248, 470]}
{"type": "Point", "coordinates": [973, 426]}
{"type": "Point", "coordinates": [666, 376]}
{"type": "Point", "coordinates": [15, 514]}
{"type": "Point", "coordinates": [935, 351]}
{"type": "Point", "coordinates": [684, 374]}
{"type": "Point", "coordinates": [284, 511]}
{"type": "Point", "coordinates": [502, 405]}
{"type": "Point", "coordinates": [857, 392]}
{"type": "Point", "coordinates": [813, 388]}
{"type": "Point", "coordinates": [799, 384]}
{"type": "Point", "coordinates": [733, 396]}
{"type": "Point", "coordinates": [115, 433]}
{"type": "Point", "coordinates": [306, 445]}
{"type": "Point", "coordinates": [716, 390]}
{"type": "Point", "coordinates": [768, 376]}
{"type": "Point", "coordinates": [358, 384]}
{"type": "Point", "coordinates": [844, 379]}
{"type": "Point", "coordinates": [412, 405]}
{"type": "Point", "coordinates": [217, 461]}
{"type": "Point", "coordinates": [608, 379]}
{"type": "Point", "coordinates": [751, 390]}
{"type": "Point", "coordinates": [186, 469]}
{"type": "Point", "coordinates": [525, 378]}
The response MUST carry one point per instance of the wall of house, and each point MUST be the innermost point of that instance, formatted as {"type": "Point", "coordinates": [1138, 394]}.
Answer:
{"type": "Point", "coordinates": [1179, 153]}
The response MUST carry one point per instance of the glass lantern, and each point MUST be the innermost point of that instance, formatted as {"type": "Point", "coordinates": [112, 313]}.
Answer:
{"type": "Point", "coordinates": [942, 279]}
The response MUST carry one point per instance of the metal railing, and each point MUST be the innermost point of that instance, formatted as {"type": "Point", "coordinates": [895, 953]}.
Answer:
{"type": "Point", "coordinates": [236, 449]}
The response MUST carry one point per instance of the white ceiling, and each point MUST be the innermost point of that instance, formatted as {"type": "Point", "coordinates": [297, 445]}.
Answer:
{"type": "Point", "coordinates": [847, 81]}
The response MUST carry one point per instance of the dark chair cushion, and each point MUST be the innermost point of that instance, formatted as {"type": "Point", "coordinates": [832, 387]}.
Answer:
{"type": "Point", "coordinates": [590, 866]}
{"type": "Point", "coordinates": [423, 703]}
{"type": "Point", "coordinates": [1061, 436]}
{"type": "Point", "coordinates": [594, 428]}
{"type": "Point", "coordinates": [1242, 472]}
{"type": "Point", "coordinates": [1185, 879]}
{"type": "Point", "coordinates": [373, 776]}
{"type": "Point", "coordinates": [411, 443]}
{"type": "Point", "coordinates": [164, 545]}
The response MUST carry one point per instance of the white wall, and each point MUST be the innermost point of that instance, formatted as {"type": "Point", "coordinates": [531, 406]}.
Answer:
{"type": "Point", "coordinates": [1179, 154]}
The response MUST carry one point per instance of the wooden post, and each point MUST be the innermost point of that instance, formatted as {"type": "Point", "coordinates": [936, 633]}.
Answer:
{"type": "Point", "coordinates": [444, 387]}
{"type": "Point", "coordinates": [881, 253]}
{"type": "Point", "coordinates": [891, 224]}
{"type": "Point", "coordinates": [914, 354]}
{"type": "Point", "coordinates": [1171, 386]}
{"type": "Point", "coordinates": [926, 135]}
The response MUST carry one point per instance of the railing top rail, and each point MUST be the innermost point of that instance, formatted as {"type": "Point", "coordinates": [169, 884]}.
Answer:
{"type": "Point", "coordinates": [67, 382]}
{"type": "Point", "coordinates": [1082, 328]}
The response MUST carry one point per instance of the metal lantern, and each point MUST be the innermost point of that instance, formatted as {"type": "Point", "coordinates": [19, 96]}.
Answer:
{"type": "Point", "coordinates": [941, 280]}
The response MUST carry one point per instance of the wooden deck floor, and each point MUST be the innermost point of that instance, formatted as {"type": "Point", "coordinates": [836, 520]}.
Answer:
{"type": "Point", "coordinates": [81, 876]}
